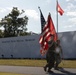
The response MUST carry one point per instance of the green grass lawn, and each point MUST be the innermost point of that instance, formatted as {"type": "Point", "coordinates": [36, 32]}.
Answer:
{"type": "Point", "coordinates": [35, 63]}
{"type": "Point", "coordinates": [9, 74]}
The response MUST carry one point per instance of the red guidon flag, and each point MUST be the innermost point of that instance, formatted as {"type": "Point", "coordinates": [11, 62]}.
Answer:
{"type": "Point", "coordinates": [59, 9]}
{"type": "Point", "coordinates": [52, 28]}
{"type": "Point", "coordinates": [48, 30]}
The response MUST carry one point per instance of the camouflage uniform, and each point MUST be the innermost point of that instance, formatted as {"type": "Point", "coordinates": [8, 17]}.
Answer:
{"type": "Point", "coordinates": [50, 56]}
{"type": "Point", "coordinates": [58, 57]}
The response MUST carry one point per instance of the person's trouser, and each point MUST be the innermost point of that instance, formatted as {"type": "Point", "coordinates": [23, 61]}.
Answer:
{"type": "Point", "coordinates": [50, 57]}
{"type": "Point", "coordinates": [57, 60]}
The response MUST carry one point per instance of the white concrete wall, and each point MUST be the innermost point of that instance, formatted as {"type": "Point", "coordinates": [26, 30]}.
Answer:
{"type": "Point", "coordinates": [68, 43]}
{"type": "Point", "coordinates": [29, 47]}
{"type": "Point", "coordinates": [20, 47]}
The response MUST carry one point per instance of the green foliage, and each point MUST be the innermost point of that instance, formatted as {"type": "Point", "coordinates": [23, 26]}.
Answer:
{"type": "Point", "coordinates": [1, 34]}
{"type": "Point", "coordinates": [13, 24]}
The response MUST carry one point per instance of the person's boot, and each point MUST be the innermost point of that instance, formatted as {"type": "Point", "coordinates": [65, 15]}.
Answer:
{"type": "Point", "coordinates": [45, 68]}
{"type": "Point", "coordinates": [49, 70]}
{"type": "Point", "coordinates": [56, 67]}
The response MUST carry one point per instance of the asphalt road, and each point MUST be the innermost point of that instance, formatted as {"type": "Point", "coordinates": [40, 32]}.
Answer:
{"type": "Point", "coordinates": [36, 70]}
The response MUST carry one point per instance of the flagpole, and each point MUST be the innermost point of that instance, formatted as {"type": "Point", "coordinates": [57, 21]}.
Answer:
{"type": "Point", "coordinates": [40, 12]}
{"type": "Point", "coordinates": [57, 14]}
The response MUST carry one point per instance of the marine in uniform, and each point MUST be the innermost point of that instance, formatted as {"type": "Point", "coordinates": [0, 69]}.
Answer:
{"type": "Point", "coordinates": [58, 53]}
{"type": "Point", "coordinates": [50, 55]}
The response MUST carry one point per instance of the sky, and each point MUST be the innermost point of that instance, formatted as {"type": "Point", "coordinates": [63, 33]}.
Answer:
{"type": "Point", "coordinates": [66, 22]}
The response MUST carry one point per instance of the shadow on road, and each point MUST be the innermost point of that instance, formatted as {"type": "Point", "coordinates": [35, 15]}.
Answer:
{"type": "Point", "coordinates": [65, 72]}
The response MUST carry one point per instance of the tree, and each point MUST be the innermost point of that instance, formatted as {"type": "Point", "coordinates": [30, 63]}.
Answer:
{"type": "Point", "coordinates": [1, 34]}
{"type": "Point", "coordinates": [13, 24]}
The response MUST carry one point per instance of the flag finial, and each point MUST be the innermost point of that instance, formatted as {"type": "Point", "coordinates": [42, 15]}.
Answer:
{"type": "Point", "coordinates": [49, 14]}
{"type": "Point", "coordinates": [39, 7]}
